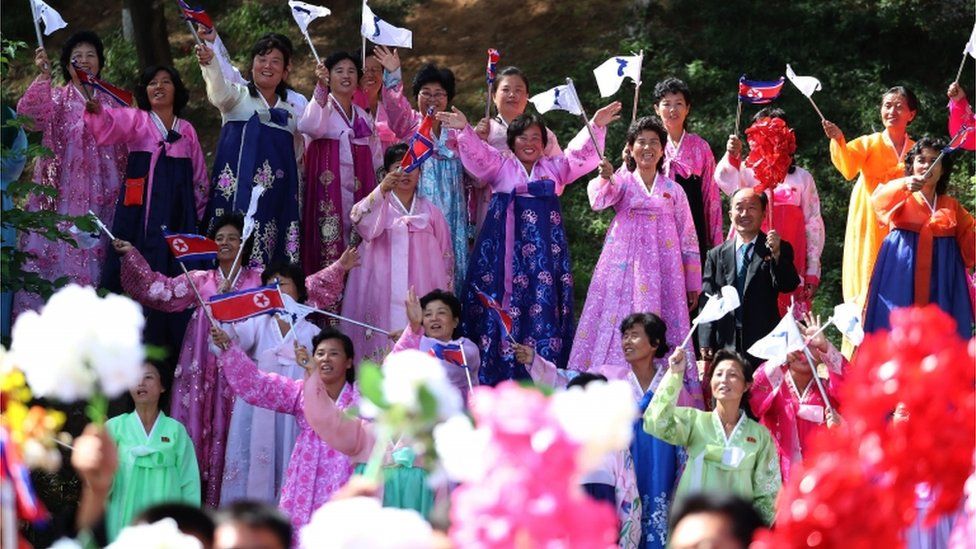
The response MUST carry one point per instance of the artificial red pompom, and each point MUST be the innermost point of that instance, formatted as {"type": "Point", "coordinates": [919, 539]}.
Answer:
{"type": "Point", "coordinates": [857, 485]}
{"type": "Point", "coordinates": [771, 147]}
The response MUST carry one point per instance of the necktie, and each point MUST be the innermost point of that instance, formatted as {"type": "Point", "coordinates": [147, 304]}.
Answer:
{"type": "Point", "coordinates": [742, 259]}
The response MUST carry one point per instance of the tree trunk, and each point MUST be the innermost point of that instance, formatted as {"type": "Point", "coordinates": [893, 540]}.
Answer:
{"type": "Point", "coordinates": [151, 37]}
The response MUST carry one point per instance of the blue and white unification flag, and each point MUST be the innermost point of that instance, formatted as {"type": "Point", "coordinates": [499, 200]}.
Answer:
{"type": "Point", "coordinates": [305, 13]}
{"type": "Point", "coordinates": [611, 73]}
{"type": "Point", "coordinates": [561, 98]}
{"type": "Point", "coordinates": [380, 32]}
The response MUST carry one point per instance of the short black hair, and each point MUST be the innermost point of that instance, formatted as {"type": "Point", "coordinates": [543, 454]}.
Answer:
{"type": "Point", "coordinates": [264, 45]}
{"type": "Point", "coordinates": [166, 369]}
{"type": "Point", "coordinates": [905, 92]}
{"type": "Point", "coordinates": [333, 59]}
{"type": "Point", "coordinates": [671, 85]}
{"type": "Point", "coordinates": [290, 270]}
{"type": "Point", "coordinates": [254, 514]}
{"type": "Point", "coordinates": [81, 37]}
{"type": "Point", "coordinates": [763, 199]}
{"type": "Point", "coordinates": [236, 220]}
{"type": "Point", "coordinates": [584, 379]}
{"type": "Point", "coordinates": [449, 299]}
{"type": "Point", "coordinates": [947, 160]}
{"type": "Point", "coordinates": [189, 519]}
{"type": "Point", "coordinates": [647, 124]}
{"type": "Point", "coordinates": [513, 71]}
{"type": "Point", "coordinates": [523, 122]}
{"type": "Point", "coordinates": [180, 98]}
{"type": "Point", "coordinates": [654, 327]}
{"type": "Point", "coordinates": [747, 370]}
{"type": "Point", "coordinates": [432, 74]}
{"type": "Point", "coordinates": [742, 516]}
{"type": "Point", "coordinates": [328, 333]}
{"type": "Point", "coordinates": [393, 156]}
{"type": "Point", "coordinates": [770, 112]}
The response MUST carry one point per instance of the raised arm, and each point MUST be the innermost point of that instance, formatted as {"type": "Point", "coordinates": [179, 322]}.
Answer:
{"type": "Point", "coordinates": [889, 197]}
{"type": "Point", "coordinates": [814, 225]}
{"type": "Point", "coordinates": [664, 419]}
{"type": "Point", "coordinates": [765, 388]}
{"type": "Point", "coordinates": [402, 119]}
{"type": "Point", "coordinates": [607, 189]}
{"type": "Point", "coordinates": [480, 159]}
{"type": "Point", "coordinates": [581, 156]}
{"type": "Point", "coordinates": [316, 121]}
{"type": "Point", "coordinates": [257, 388]}
{"type": "Point", "coordinates": [222, 94]}
{"type": "Point", "coordinates": [728, 174]}
{"type": "Point", "coordinates": [111, 126]}
{"type": "Point", "coordinates": [350, 436]}
{"type": "Point", "coordinates": [155, 290]}
{"type": "Point", "coordinates": [372, 215]}
{"type": "Point", "coordinates": [325, 287]}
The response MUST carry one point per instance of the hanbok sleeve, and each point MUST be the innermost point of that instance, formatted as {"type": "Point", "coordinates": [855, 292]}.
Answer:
{"type": "Point", "coordinates": [350, 436]}
{"type": "Point", "coordinates": [888, 197]}
{"type": "Point", "coordinates": [325, 287]}
{"type": "Point", "coordinates": [849, 158]}
{"type": "Point", "coordinates": [960, 113]}
{"type": "Point", "coordinates": [478, 157]}
{"type": "Point", "coordinates": [372, 215]}
{"type": "Point", "coordinates": [814, 225]}
{"type": "Point", "coordinates": [409, 339]}
{"type": "Point", "coordinates": [155, 290]}
{"type": "Point", "coordinates": [765, 387]}
{"type": "Point", "coordinates": [606, 193]}
{"type": "Point", "coordinates": [666, 421]}
{"type": "Point", "coordinates": [712, 198]}
{"type": "Point", "coordinates": [685, 228]}
{"type": "Point", "coordinates": [245, 333]}
{"type": "Point", "coordinates": [317, 117]}
{"type": "Point", "coordinates": [836, 368]}
{"type": "Point", "coordinates": [222, 94]}
{"type": "Point", "coordinates": [257, 388]}
{"type": "Point", "coordinates": [112, 126]}
{"type": "Point", "coordinates": [965, 235]}
{"type": "Point", "coordinates": [38, 102]}
{"type": "Point", "coordinates": [766, 477]}
{"type": "Point", "coordinates": [727, 175]}
{"type": "Point", "coordinates": [227, 68]}
{"type": "Point", "coordinates": [580, 157]}
{"type": "Point", "coordinates": [189, 471]}
{"type": "Point", "coordinates": [443, 235]}
{"type": "Point", "coordinates": [201, 180]}
{"type": "Point", "coordinates": [544, 372]}
{"type": "Point", "coordinates": [402, 119]}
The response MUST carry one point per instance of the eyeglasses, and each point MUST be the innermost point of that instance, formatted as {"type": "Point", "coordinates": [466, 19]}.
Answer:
{"type": "Point", "coordinates": [435, 95]}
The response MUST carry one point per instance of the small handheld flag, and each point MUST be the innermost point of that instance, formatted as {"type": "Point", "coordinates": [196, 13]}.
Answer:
{"type": "Point", "coordinates": [759, 92]}
{"type": "Point", "coordinates": [380, 32]}
{"type": "Point", "coordinates": [955, 142]}
{"type": "Point", "coordinates": [190, 247]}
{"type": "Point", "coordinates": [847, 318]}
{"type": "Point", "coordinates": [244, 304]}
{"type": "Point", "coordinates": [101, 226]}
{"type": "Point", "coordinates": [14, 472]}
{"type": "Point", "coordinates": [780, 342]}
{"type": "Point", "coordinates": [492, 70]}
{"type": "Point", "coordinates": [450, 352]}
{"type": "Point", "coordinates": [195, 15]}
{"type": "Point", "coordinates": [421, 145]}
{"type": "Point", "coordinates": [298, 311]}
{"type": "Point", "coordinates": [123, 97]}
{"type": "Point", "coordinates": [503, 316]}
{"type": "Point", "coordinates": [807, 85]}
{"type": "Point", "coordinates": [559, 98]}
{"type": "Point", "coordinates": [304, 14]}
{"type": "Point", "coordinates": [612, 72]}
{"type": "Point", "coordinates": [715, 308]}
{"type": "Point", "coordinates": [44, 13]}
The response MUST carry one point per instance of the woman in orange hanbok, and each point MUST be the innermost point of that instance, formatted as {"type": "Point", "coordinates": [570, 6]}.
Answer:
{"type": "Point", "coordinates": [931, 247]}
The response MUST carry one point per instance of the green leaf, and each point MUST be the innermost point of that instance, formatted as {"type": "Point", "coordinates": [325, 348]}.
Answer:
{"type": "Point", "coordinates": [97, 409]}
{"type": "Point", "coordinates": [428, 405]}
{"type": "Point", "coordinates": [371, 385]}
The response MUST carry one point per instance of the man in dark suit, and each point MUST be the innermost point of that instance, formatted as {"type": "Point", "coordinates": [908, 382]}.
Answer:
{"type": "Point", "coordinates": [759, 266]}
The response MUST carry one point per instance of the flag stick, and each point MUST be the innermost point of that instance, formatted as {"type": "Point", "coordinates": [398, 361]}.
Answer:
{"type": "Point", "coordinates": [738, 116]}
{"type": "Point", "coordinates": [958, 72]}
{"type": "Point", "coordinates": [637, 85]}
{"type": "Point", "coordinates": [820, 114]}
{"type": "Point", "coordinates": [206, 310]}
{"type": "Point", "coordinates": [816, 378]}
{"type": "Point", "coordinates": [694, 325]}
{"type": "Point", "coordinates": [316, 54]}
{"type": "Point", "coordinates": [363, 60]}
{"type": "Point", "coordinates": [586, 120]}
{"type": "Point", "coordinates": [40, 37]}
{"type": "Point", "coordinates": [351, 321]}
{"type": "Point", "coordinates": [236, 264]}
{"type": "Point", "coordinates": [488, 102]}
{"type": "Point", "coordinates": [193, 31]}
{"type": "Point", "coordinates": [288, 317]}
{"type": "Point", "coordinates": [467, 371]}
{"type": "Point", "coordinates": [830, 320]}
{"type": "Point", "coordinates": [101, 226]}
{"type": "Point", "coordinates": [942, 153]}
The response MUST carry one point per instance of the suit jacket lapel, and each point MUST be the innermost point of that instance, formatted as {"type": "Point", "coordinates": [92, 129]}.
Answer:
{"type": "Point", "coordinates": [728, 259]}
{"type": "Point", "coordinates": [757, 260]}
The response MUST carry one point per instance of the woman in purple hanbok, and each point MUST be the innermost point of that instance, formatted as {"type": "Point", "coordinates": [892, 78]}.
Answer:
{"type": "Point", "coordinates": [340, 163]}
{"type": "Point", "coordinates": [521, 258]}
{"type": "Point", "coordinates": [86, 175]}
{"type": "Point", "coordinates": [650, 257]}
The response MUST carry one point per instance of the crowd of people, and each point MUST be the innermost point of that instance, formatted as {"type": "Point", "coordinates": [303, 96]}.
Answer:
{"type": "Point", "coordinates": [258, 409]}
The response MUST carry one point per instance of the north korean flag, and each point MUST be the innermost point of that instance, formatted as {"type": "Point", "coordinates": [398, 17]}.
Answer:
{"type": "Point", "coordinates": [758, 92]}
{"type": "Point", "coordinates": [123, 97]}
{"type": "Point", "coordinates": [451, 352]}
{"type": "Point", "coordinates": [503, 316]}
{"type": "Point", "coordinates": [190, 247]}
{"type": "Point", "coordinates": [235, 306]}
{"type": "Point", "coordinates": [195, 15]}
{"type": "Point", "coordinates": [421, 145]}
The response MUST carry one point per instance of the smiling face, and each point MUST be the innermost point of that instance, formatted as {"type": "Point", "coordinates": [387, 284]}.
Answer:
{"type": "Point", "coordinates": [895, 112]}
{"type": "Point", "coordinates": [86, 56]}
{"type": "Point", "coordinates": [647, 150]}
{"type": "Point", "coordinates": [432, 96]}
{"type": "Point", "coordinates": [161, 91]}
{"type": "Point", "coordinates": [921, 163]}
{"type": "Point", "coordinates": [528, 145]}
{"type": "Point", "coordinates": [150, 387]}
{"type": "Point", "coordinates": [439, 321]}
{"type": "Point", "coordinates": [511, 96]}
{"type": "Point", "coordinates": [286, 285]}
{"type": "Point", "coordinates": [331, 360]}
{"type": "Point", "coordinates": [636, 345]}
{"type": "Point", "coordinates": [269, 69]}
{"type": "Point", "coordinates": [228, 239]}
{"type": "Point", "coordinates": [728, 381]}
{"type": "Point", "coordinates": [372, 77]}
{"type": "Point", "coordinates": [673, 110]}
{"type": "Point", "coordinates": [343, 78]}
{"type": "Point", "coordinates": [746, 213]}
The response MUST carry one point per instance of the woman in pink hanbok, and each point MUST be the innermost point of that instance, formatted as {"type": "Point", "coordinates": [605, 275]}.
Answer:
{"type": "Point", "coordinates": [788, 402]}
{"type": "Point", "coordinates": [369, 97]}
{"type": "Point", "coordinates": [86, 175]}
{"type": "Point", "coordinates": [406, 244]}
{"type": "Point", "coordinates": [340, 162]}
{"type": "Point", "coordinates": [650, 256]}
{"type": "Point", "coordinates": [795, 207]}
{"type": "Point", "coordinates": [315, 470]}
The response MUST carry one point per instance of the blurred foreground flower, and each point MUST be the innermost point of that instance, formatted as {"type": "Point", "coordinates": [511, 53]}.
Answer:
{"type": "Point", "coordinates": [364, 522]}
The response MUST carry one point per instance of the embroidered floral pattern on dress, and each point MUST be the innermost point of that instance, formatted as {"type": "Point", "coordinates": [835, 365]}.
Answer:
{"type": "Point", "coordinates": [326, 178]}
{"type": "Point", "coordinates": [265, 175]}
{"type": "Point", "coordinates": [226, 184]}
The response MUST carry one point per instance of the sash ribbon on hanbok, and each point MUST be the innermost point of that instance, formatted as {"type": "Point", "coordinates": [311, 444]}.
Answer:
{"type": "Point", "coordinates": [942, 223]}
{"type": "Point", "coordinates": [172, 136]}
{"type": "Point", "coordinates": [727, 458]}
{"type": "Point", "coordinates": [147, 457]}
{"type": "Point", "coordinates": [400, 230]}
